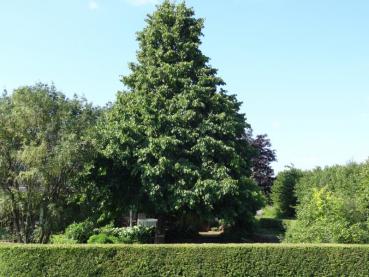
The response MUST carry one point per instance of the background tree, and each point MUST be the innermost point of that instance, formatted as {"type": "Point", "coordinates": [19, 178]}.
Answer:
{"type": "Point", "coordinates": [262, 171]}
{"type": "Point", "coordinates": [42, 154]}
{"type": "Point", "coordinates": [333, 206]}
{"type": "Point", "coordinates": [176, 135]}
{"type": "Point", "coordinates": [283, 191]}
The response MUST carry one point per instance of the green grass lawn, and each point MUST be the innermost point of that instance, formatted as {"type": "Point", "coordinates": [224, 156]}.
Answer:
{"type": "Point", "coordinates": [270, 228]}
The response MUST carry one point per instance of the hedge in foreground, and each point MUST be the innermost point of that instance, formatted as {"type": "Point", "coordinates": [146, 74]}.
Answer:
{"type": "Point", "coordinates": [184, 260]}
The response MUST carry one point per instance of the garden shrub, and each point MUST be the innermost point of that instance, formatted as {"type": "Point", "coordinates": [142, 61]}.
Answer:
{"type": "Point", "coordinates": [333, 206]}
{"type": "Point", "coordinates": [184, 260]}
{"type": "Point", "coordinates": [109, 230]}
{"type": "Point", "coordinates": [80, 232]}
{"type": "Point", "coordinates": [128, 235]}
{"type": "Point", "coordinates": [102, 239]}
{"type": "Point", "coordinates": [62, 239]}
{"type": "Point", "coordinates": [137, 234]}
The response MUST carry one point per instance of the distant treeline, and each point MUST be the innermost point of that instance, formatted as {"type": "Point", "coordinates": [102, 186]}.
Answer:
{"type": "Point", "coordinates": [331, 204]}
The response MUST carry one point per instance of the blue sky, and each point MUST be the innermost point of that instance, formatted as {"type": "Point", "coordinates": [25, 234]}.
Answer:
{"type": "Point", "coordinates": [301, 68]}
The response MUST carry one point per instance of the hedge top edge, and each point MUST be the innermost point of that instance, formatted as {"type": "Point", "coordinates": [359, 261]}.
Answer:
{"type": "Point", "coordinates": [181, 246]}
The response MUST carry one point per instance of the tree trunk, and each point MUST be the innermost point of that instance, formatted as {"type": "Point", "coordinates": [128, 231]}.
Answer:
{"type": "Point", "coordinates": [16, 219]}
{"type": "Point", "coordinates": [160, 229]}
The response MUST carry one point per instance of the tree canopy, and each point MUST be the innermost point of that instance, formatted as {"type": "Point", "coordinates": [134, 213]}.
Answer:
{"type": "Point", "coordinates": [262, 171]}
{"type": "Point", "coordinates": [42, 151]}
{"type": "Point", "coordinates": [176, 133]}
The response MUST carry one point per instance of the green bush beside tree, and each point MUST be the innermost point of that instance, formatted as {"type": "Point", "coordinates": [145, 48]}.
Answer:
{"type": "Point", "coordinates": [333, 206]}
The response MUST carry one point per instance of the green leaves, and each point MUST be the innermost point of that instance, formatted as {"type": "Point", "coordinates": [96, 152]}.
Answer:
{"type": "Point", "coordinates": [182, 260]}
{"type": "Point", "coordinates": [175, 131]}
{"type": "Point", "coordinates": [43, 149]}
{"type": "Point", "coordinates": [283, 192]}
{"type": "Point", "coordinates": [333, 206]}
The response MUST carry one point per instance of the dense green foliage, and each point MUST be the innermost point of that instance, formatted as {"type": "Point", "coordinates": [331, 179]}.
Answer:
{"type": "Point", "coordinates": [43, 153]}
{"type": "Point", "coordinates": [136, 234]}
{"type": "Point", "coordinates": [128, 235]}
{"type": "Point", "coordinates": [174, 146]}
{"type": "Point", "coordinates": [333, 206]}
{"type": "Point", "coordinates": [283, 192]}
{"type": "Point", "coordinates": [184, 260]}
{"type": "Point", "coordinates": [102, 239]}
{"type": "Point", "coordinates": [85, 232]}
{"type": "Point", "coordinates": [75, 233]}
{"type": "Point", "coordinates": [61, 239]}
{"type": "Point", "coordinates": [175, 138]}
{"type": "Point", "coordinates": [80, 232]}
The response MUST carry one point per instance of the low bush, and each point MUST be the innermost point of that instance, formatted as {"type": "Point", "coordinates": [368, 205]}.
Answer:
{"type": "Point", "coordinates": [102, 239]}
{"type": "Point", "coordinates": [74, 233]}
{"type": "Point", "coordinates": [62, 239]}
{"type": "Point", "coordinates": [183, 260]}
{"type": "Point", "coordinates": [137, 234]}
{"type": "Point", "coordinates": [127, 235]}
{"type": "Point", "coordinates": [80, 232]}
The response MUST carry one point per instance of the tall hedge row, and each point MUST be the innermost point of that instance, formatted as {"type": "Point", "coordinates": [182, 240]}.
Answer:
{"type": "Point", "coordinates": [184, 260]}
{"type": "Point", "coordinates": [333, 206]}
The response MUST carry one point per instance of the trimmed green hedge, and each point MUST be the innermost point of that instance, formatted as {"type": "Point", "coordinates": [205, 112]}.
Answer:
{"type": "Point", "coordinates": [184, 260]}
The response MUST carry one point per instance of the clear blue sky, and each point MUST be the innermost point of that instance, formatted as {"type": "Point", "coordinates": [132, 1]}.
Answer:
{"type": "Point", "coordinates": [301, 68]}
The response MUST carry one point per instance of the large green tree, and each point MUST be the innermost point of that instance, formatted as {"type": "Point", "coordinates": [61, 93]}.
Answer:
{"type": "Point", "coordinates": [175, 134]}
{"type": "Point", "coordinates": [43, 152]}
